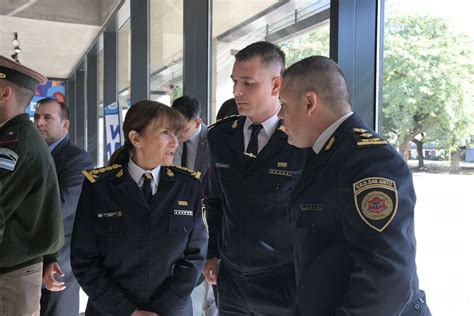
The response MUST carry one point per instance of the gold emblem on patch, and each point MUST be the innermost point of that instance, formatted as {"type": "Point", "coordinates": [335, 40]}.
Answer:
{"type": "Point", "coordinates": [376, 201]}
{"type": "Point", "coordinates": [183, 203]}
{"type": "Point", "coordinates": [234, 125]}
{"type": "Point", "coordinates": [2, 75]}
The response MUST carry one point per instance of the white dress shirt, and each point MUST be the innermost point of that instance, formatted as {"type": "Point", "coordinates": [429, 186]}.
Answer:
{"type": "Point", "coordinates": [269, 127]}
{"type": "Point", "coordinates": [137, 175]}
{"type": "Point", "coordinates": [324, 137]}
{"type": "Point", "coordinates": [191, 150]}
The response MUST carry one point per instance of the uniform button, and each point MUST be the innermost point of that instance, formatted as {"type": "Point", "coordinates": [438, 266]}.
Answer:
{"type": "Point", "coordinates": [277, 187]}
{"type": "Point", "coordinates": [417, 306]}
{"type": "Point", "coordinates": [313, 225]}
{"type": "Point", "coordinates": [185, 229]}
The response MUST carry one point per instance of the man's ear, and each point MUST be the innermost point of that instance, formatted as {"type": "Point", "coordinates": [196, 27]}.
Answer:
{"type": "Point", "coordinates": [134, 139]}
{"type": "Point", "coordinates": [311, 102]}
{"type": "Point", "coordinates": [6, 92]}
{"type": "Point", "coordinates": [197, 122]}
{"type": "Point", "coordinates": [276, 85]}
{"type": "Point", "coordinates": [66, 124]}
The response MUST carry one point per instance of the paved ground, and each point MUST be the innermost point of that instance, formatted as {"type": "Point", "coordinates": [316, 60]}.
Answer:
{"type": "Point", "coordinates": [444, 224]}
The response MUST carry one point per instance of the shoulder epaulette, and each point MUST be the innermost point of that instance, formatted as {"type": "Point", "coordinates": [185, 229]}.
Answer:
{"type": "Point", "coordinates": [100, 173]}
{"type": "Point", "coordinates": [183, 170]}
{"type": "Point", "coordinates": [363, 138]}
{"type": "Point", "coordinates": [225, 119]}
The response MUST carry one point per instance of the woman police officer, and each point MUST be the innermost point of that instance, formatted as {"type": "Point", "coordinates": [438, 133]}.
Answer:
{"type": "Point", "coordinates": [139, 241]}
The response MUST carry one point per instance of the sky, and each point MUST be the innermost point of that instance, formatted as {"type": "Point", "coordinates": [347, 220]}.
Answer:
{"type": "Point", "coordinates": [457, 12]}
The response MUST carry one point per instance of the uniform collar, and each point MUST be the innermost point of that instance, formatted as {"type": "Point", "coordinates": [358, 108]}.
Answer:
{"type": "Point", "coordinates": [324, 137]}
{"type": "Point", "coordinates": [137, 172]}
{"type": "Point", "coordinates": [269, 125]}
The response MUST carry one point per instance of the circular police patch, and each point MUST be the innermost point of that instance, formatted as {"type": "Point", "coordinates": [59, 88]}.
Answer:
{"type": "Point", "coordinates": [376, 201]}
{"type": "Point", "coordinates": [376, 205]}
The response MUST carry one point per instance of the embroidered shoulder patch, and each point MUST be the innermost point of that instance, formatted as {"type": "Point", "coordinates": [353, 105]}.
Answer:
{"type": "Point", "coordinates": [364, 139]}
{"type": "Point", "coordinates": [376, 201]}
{"type": "Point", "coordinates": [225, 119]}
{"type": "Point", "coordinates": [195, 174]}
{"type": "Point", "coordinates": [8, 159]}
{"type": "Point", "coordinates": [94, 174]}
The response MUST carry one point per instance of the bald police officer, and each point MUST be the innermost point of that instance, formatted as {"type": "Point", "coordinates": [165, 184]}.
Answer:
{"type": "Point", "coordinates": [30, 219]}
{"type": "Point", "coordinates": [353, 206]}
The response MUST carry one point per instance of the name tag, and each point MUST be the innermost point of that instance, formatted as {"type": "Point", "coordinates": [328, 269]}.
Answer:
{"type": "Point", "coordinates": [222, 165]}
{"type": "Point", "coordinates": [183, 213]}
{"type": "Point", "coordinates": [279, 172]}
{"type": "Point", "coordinates": [311, 207]}
{"type": "Point", "coordinates": [109, 214]}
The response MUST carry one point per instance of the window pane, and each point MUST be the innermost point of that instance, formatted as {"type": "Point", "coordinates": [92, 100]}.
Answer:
{"type": "Point", "coordinates": [427, 113]}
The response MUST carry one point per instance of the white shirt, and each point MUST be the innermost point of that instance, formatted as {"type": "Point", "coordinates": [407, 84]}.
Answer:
{"type": "Point", "coordinates": [191, 150]}
{"type": "Point", "coordinates": [269, 127]}
{"type": "Point", "coordinates": [137, 175]}
{"type": "Point", "coordinates": [324, 137]}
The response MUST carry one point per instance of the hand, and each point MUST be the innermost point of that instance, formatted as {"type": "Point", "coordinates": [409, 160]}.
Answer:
{"type": "Point", "coordinates": [210, 271]}
{"type": "Point", "coordinates": [144, 313]}
{"type": "Point", "coordinates": [48, 277]}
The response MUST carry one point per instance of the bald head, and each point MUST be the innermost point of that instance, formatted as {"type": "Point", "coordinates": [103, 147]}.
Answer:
{"type": "Point", "coordinates": [322, 76]}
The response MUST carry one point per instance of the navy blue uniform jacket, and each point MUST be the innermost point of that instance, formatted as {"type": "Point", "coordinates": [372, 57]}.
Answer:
{"type": "Point", "coordinates": [355, 242]}
{"type": "Point", "coordinates": [248, 207]}
{"type": "Point", "coordinates": [128, 255]}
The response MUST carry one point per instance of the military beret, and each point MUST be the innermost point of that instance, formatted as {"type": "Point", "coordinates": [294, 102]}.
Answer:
{"type": "Point", "coordinates": [19, 74]}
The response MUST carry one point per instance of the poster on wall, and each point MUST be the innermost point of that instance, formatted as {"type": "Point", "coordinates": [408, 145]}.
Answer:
{"type": "Point", "coordinates": [113, 124]}
{"type": "Point", "coordinates": [52, 89]}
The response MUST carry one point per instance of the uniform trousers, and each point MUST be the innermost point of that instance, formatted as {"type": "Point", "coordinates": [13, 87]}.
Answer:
{"type": "Point", "coordinates": [268, 293]}
{"type": "Point", "coordinates": [20, 291]}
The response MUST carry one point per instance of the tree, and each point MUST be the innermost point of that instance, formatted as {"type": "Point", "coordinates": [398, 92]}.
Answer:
{"type": "Point", "coordinates": [428, 87]}
{"type": "Point", "coordinates": [316, 42]}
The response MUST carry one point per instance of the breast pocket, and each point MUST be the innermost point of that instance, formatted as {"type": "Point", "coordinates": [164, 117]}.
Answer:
{"type": "Point", "coordinates": [181, 224]}
{"type": "Point", "coordinates": [110, 227]}
{"type": "Point", "coordinates": [309, 219]}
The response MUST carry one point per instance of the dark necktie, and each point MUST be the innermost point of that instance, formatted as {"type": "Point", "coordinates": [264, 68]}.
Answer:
{"type": "Point", "coordinates": [146, 187]}
{"type": "Point", "coordinates": [252, 148]}
{"type": "Point", "coordinates": [184, 155]}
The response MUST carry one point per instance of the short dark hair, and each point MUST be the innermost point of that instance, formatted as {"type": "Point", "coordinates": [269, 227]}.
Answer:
{"type": "Point", "coordinates": [64, 114]}
{"type": "Point", "coordinates": [229, 107]}
{"type": "Point", "coordinates": [269, 53]}
{"type": "Point", "coordinates": [187, 105]}
{"type": "Point", "coordinates": [321, 75]}
{"type": "Point", "coordinates": [23, 95]}
{"type": "Point", "coordinates": [139, 116]}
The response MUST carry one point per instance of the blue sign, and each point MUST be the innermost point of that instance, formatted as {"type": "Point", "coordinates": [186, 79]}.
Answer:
{"type": "Point", "coordinates": [112, 123]}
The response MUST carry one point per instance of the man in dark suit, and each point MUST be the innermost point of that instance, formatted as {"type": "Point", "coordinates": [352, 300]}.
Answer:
{"type": "Point", "coordinates": [193, 153]}
{"type": "Point", "coordinates": [353, 206]}
{"type": "Point", "coordinates": [61, 295]}
{"type": "Point", "coordinates": [252, 172]}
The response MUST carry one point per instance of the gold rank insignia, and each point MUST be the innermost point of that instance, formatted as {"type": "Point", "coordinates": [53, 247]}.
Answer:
{"type": "Point", "coordinates": [225, 119]}
{"type": "Point", "coordinates": [330, 143]}
{"type": "Point", "coordinates": [283, 129]}
{"type": "Point", "coordinates": [195, 174]}
{"type": "Point", "coordinates": [376, 201]}
{"type": "Point", "coordinates": [282, 164]}
{"type": "Point", "coordinates": [363, 138]}
{"type": "Point", "coordinates": [169, 173]}
{"type": "Point", "coordinates": [183, 203]}
{"type": "Point", "coordinates": [93, 175]}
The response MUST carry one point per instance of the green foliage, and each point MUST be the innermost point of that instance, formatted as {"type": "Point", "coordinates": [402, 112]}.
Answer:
{"type": "Point", "coordinates": [428, 82]}
{"type": "Point", "coordinates": [176, 92]}
{"type": "Point", "coordinates": [315, 42]}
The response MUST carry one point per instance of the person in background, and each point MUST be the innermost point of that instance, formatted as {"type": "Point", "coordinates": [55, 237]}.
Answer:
{"type": "Point", "coordinates": [252, 172]}
{"type": "Point", "coordinates": [139, 241]}
{"type": "Point", "coordinates": [193, 153]}
{"type": "Point", "coordinates": [60, 296]}
{"type": "Point", "coordinates": [30, 215]}
{"type": "Point", "coordinates": [228, 108]}
{"type": "Point", "coordinates": [353, 207]}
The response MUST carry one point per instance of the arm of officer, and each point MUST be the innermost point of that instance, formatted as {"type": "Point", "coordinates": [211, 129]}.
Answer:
{"type": "Point", "coordinates": [105, 295]}
{"type": "Point", "coordinates": [172, 296]}
{"type": "Point", "coordinates": [213, 200]}
{"type": "Point", "coordinates": [377, 201]}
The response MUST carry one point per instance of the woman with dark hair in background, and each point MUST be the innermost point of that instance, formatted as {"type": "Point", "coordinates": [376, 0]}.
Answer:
{"type": "Point", "coordinates": [139, 241]}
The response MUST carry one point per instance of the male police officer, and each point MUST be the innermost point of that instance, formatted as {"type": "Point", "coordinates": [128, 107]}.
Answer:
{"type": "Point", "coordinates": [61, 295]}
{"type": "Point", "coordinates": [353, 206]}
{"type": "Point", "coordinates": [30, 218]}
{"type": "Point", "coordinates": [252, 172]}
